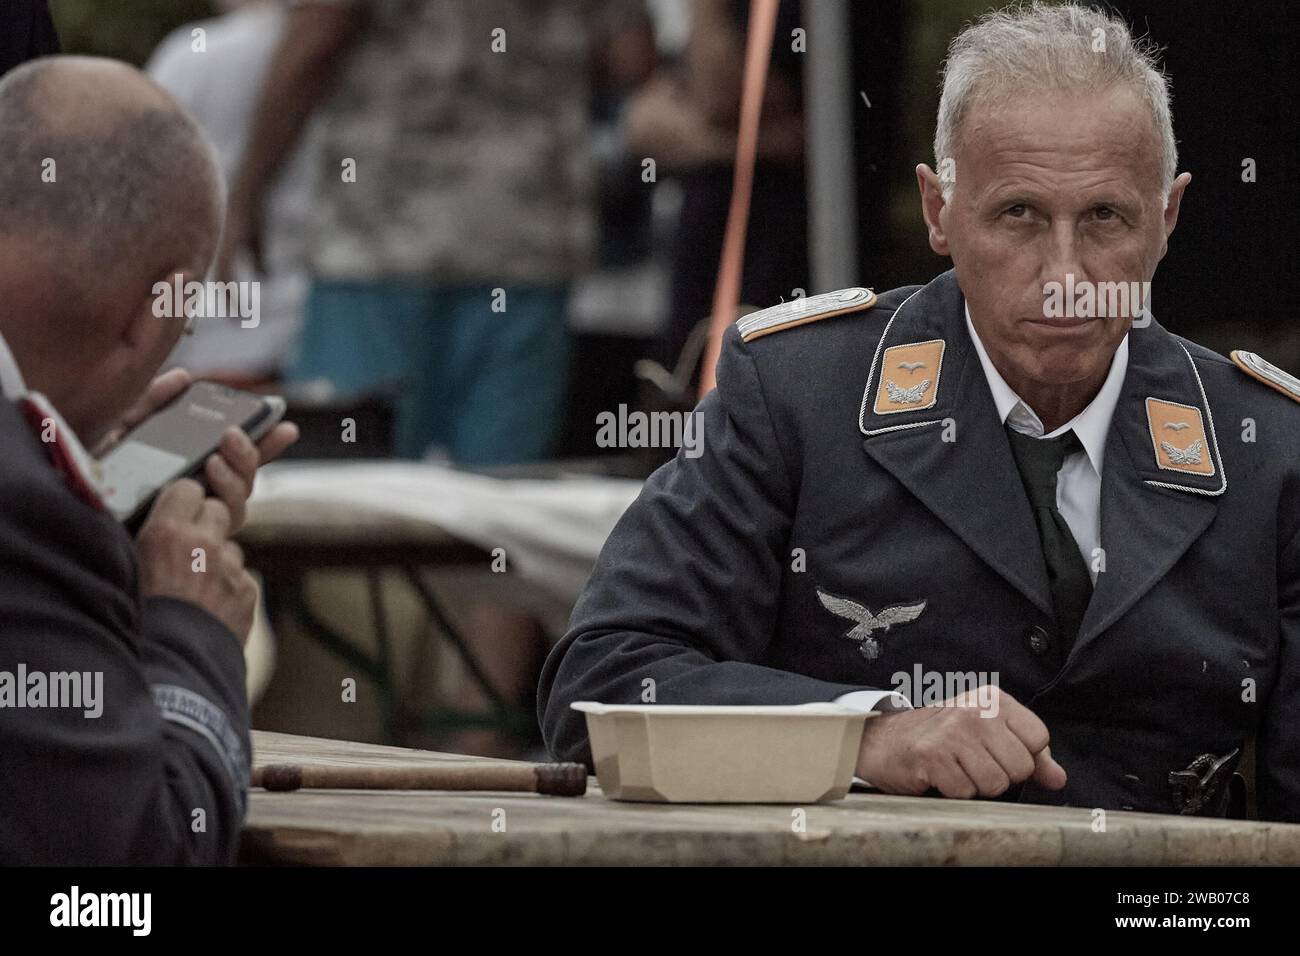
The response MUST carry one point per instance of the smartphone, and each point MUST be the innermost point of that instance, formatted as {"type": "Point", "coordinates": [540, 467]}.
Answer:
{"type": "Point", "coordinates": [176, 442]}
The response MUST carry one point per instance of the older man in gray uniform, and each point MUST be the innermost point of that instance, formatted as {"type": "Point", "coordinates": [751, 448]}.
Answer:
{"type": "Point", "coordinates": [123, 718]}
{"type": "Point", "coordinates": [1012, 472]}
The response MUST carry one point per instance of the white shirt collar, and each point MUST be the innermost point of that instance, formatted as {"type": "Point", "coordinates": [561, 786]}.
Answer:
{"type": "Point", "coordinates": [1091, 425]}
{"type": "Point", "coordinates": [12, 385]}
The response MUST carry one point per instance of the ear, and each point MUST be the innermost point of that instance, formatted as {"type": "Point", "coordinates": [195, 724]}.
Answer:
{"type": "Point", "coordinates": [153, 326]}
{"type": "Point", "coordinates": [932, 205]}
{"type": "Point", "coordinates": [1172, 205]}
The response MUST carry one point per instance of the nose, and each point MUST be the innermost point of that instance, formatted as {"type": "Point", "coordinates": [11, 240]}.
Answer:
{"type": "Point", "coordinates": [1062, 255]}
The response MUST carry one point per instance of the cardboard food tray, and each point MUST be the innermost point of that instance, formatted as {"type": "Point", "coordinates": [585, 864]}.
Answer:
{"type": "Point", "coordinates": [668, 753]}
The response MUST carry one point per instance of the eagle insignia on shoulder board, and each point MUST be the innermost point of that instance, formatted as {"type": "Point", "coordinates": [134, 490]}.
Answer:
{"type": "Point", "coordinates": [803, 310]}
{"type": "Point", "coordinates": [1268, 373]}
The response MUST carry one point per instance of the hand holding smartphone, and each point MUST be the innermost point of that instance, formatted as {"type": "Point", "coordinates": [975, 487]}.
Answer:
{"type": "Point", "coordinates": [175, 442]}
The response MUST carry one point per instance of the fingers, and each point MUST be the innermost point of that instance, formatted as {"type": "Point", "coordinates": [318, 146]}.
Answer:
{"type": "Point", "coordinates": [231, 489]}
{"type": "Point", "coordinates": [1047, 771]}
{"type": "Point", "coordinates": [1010, 753]}
{"type": "Point", "coordinates": [239, 452]}
{"type": "Point", "coordinates": [949, 776]}
{"type": "Point", "coordinates": [236, 464]}
{"type": "Point", "coordinates": [181, 499]}
{"type": "Point", "coordinates": [232, 561]}
{"type": "Point", "coordinates": [242, 588]}
{"type": "Point", "coordinates": [976, 772]}
{"type": "Point", "coordinates": [275, 441]}
{"type": "Point", "coordinates": [984, 773]}
{"type": "Point", "coordinates": [974, 747]}
{"type": "Point", "coordinates": [1034, 736]}
{"type": "Point", "coordinates": [1024, 723]}
{"type": "Point", "coordinates": [215, 518]}
{"type": "Point", "coordinates": [232, 470]}
{"type": "Point", "coordinates": [186, 526]}
{"type": "Point", "coordinates": [232, 554]}
{"type": "Point", "coordinates": [161, 391]}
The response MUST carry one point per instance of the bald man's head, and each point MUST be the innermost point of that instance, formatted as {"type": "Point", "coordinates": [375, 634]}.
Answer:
{"type": "Point", "coordinates": [106, 187]}
{"type": "Point", "coordinates": [101, 164]}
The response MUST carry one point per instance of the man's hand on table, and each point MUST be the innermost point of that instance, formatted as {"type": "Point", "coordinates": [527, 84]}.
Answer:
{"type": "Point", "coordinates": [957, 750]}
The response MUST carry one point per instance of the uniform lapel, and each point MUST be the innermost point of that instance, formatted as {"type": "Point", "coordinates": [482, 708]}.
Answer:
{"type": "Point", "coordinates": [969, 482]}
{"type": "Point", "coordinates": [1153, 507]}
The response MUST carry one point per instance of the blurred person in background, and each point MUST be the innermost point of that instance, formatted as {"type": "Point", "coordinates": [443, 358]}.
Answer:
{"type": "Point", "coordinates": [215, 68]}
{"type": "Point", "coordinates": [453, 209]}
{"type": "Point", "coordinates": [688, 117]}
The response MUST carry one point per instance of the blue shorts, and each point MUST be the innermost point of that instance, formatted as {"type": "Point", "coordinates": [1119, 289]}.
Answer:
{"type": "Point", "coordinates": [487, 387]}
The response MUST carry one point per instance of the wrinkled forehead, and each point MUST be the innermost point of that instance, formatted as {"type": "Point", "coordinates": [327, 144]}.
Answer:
{"type": "Point", "coordinates": [1061, 134]}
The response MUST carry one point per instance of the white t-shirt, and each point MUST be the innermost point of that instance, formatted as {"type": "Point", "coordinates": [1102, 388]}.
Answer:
{"type": "Point", "coordinates": [220, 82]}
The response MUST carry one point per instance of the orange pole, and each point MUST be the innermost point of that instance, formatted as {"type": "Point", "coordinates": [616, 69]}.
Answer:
{"type": "Point", "coordinates": [726, 294]}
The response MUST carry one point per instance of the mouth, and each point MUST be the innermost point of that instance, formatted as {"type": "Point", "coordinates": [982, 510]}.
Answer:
{"type": "Point", "coordinates": [1062, 323]}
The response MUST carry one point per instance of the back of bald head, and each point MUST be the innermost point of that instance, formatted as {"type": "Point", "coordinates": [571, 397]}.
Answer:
{"type": "Point", "coordinates": [105, 182]}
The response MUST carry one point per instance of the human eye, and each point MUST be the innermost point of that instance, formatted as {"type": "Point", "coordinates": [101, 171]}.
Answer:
{"type": "Point", "coordinates": [1106, 213]}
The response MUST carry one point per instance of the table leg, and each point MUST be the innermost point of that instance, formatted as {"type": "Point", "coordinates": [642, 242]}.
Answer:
{"type": "Point", "coordinates": [505, 715]}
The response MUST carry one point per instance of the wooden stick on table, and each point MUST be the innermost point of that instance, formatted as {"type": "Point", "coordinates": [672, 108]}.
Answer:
{"type": "Point", "coordinates": [554, 779]}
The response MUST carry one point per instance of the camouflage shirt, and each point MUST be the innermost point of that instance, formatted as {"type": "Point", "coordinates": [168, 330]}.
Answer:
{"type": "Point", "coordinates": [467, 121]}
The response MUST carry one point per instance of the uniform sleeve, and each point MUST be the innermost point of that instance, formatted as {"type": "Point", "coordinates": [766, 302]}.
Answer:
{"type": "Point", "coordinates": [1278, 741]}
{"type": "Point", "coordinates": [151, 766]}
{"type": "Point", "coordinates": [683, 599]}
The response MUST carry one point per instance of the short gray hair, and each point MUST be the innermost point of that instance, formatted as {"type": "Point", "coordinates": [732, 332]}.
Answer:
{"type": "Point", "coordinates": [1043, 46]}
{"type": "Point", "coordinates": [124, 189]}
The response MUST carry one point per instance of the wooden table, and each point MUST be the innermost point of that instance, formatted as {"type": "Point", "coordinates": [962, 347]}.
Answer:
{"type": "Point", "coordinates": [343, 827]}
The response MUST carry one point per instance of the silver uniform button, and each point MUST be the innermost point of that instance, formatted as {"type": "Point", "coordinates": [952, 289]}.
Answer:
{"type": "Point", "coordinates": [1040, 642]}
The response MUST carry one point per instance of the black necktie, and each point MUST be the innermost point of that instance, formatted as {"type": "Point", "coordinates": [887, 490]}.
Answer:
{"type": "Point", "coordinates": [1038, 460]}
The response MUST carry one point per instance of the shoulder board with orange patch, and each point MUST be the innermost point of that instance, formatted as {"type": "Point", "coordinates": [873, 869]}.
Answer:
{"type": "Point", "coordinates": [1268, 373]}
{"type": "Point", "coordinates": [803, 310]}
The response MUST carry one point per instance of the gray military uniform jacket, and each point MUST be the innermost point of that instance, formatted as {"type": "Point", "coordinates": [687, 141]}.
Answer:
{"type": "Point", "coordinates": [160, 776]}
{"type": "Point", "coordinates": [816, 476]}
